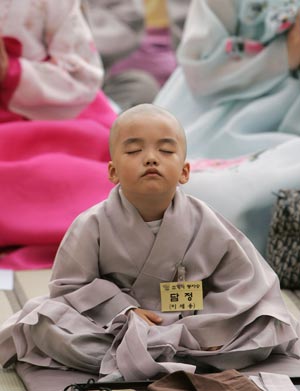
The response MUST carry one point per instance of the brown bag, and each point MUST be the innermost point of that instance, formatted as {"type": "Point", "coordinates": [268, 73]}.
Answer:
{"type": "Point", "coordinates": [230, 380]}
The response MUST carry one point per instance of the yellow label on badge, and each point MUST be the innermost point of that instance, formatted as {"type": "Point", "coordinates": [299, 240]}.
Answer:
{"type": "Point", "coordinates": [181, 296]}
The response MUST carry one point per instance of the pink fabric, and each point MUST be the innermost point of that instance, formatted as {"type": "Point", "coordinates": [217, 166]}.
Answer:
{"type": "Point", "coordinates": [212, 164]}
{"type": "Point", "coordinates": [50, 171]}
{"type": "Point", "coordinates": [155, 56]}
{"type": "Point", "coordinates": [29, 257]}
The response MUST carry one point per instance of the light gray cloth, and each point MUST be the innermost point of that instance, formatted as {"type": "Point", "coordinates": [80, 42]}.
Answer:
{"type": "Point", "coordinates": [273, 382]}
{"type": "Point", "coordinates": [118, 26]}
{"type": "Point", "coordinates": [110, 259]}
{"type": "Point", "coordinates": [119, 29]}
{"type": "Point", "coordinates": [130, 88]}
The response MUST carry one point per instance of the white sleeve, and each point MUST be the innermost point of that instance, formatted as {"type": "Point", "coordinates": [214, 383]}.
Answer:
{"type": "Point", "coordinates": [64, 83]}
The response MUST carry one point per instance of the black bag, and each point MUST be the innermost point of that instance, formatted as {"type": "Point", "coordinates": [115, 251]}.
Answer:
{"type": "Point", "coordinates": [283, 246]}
{"type": "Point", "coordinates": [103, 386]}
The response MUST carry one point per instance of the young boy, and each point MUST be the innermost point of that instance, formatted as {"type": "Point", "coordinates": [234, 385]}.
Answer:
{"type": "Point", "coordinates": [125, 293]}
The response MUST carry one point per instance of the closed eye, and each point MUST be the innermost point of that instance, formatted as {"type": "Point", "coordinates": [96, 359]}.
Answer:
{"type": "Point", "coordinates": [133, 152]}
{"type": "Point", "coordinates": [166, 151]}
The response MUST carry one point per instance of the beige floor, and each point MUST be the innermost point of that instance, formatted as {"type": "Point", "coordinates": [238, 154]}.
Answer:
{"type": "Point", "coordinates": [28, 284]}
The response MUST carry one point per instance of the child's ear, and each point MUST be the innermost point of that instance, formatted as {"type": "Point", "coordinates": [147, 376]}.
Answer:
{"type": "Point", "coordinates": [185, 174]}
{"type": "Point", "coordinates": [112, 173]}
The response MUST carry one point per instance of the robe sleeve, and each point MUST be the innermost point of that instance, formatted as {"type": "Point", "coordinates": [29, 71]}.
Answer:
{"type": "Point", "coordinates": [77, 273]}
{"type": "Point", "coordinates": [61, 85]}
{"type": "Point", "coordinates": [210, 71]}
{"type": "Point", "coordinates": [241, 291]}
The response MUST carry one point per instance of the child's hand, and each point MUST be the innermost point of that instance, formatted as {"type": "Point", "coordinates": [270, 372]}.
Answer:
{"type": "Point", "coordinates": [213, 348]}
{"type": "Point", "coordinates": [150, 317]}
{"type": "Point", "coordinates": [293, 44]}
{"type": "Point", "coordinates": [3, 60]}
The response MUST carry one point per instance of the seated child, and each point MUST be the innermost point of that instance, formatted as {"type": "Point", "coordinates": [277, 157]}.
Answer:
{"type": "Point", "coordinates": [136, 41]}
{"type": "Point", "coordinates": [236, 93]}
{"type": "Point", "coordinates": [54, 127]}
{"type": "Point", "coordinates": [105, 312]}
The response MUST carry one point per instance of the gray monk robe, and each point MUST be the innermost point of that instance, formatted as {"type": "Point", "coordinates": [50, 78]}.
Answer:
{"type": "Point", "coordinates": [110, 260]}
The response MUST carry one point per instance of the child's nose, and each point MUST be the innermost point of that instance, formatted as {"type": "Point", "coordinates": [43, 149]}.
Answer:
{"type": "Point", "coordinates": [151, 159]}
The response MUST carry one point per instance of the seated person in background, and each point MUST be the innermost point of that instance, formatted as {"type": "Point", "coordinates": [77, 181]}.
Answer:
{"type": "Point", "coordinates": [105, 313]}
{"type": "Point", "coordinates": [137, 43]}
{"type": "Point", "coordinates": [54, 126]}
{"type": "Point", "coordinates": [237, 94]}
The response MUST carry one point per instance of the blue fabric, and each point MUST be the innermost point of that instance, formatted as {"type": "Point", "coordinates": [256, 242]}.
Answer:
{"type": "Point", "coordinates": [239, 103]}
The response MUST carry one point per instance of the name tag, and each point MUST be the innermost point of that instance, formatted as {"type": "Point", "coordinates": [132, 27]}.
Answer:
{"type": "Point", "coordinates": [181, 296]}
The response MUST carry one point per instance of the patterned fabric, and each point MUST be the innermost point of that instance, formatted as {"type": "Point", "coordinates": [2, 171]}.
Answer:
{"type": "Point", "coordinates": [283, 251]}
{"type": "Point", "coordinates": [267, 19]}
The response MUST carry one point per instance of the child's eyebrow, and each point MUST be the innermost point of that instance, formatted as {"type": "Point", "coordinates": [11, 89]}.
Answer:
{"type": "Point", "coordinates": [167, 140]}
{"type": "Point", "coordinates": [138, 140]}
{"type": "Point", "coordinates": [132, 140]}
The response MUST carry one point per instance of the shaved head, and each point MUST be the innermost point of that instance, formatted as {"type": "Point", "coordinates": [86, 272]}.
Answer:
{"type": "Point", "coordinates": [145, 111]}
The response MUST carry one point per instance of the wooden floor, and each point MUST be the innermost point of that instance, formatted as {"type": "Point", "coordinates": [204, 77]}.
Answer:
{"type": "Point", "coordinates": [28, 284]}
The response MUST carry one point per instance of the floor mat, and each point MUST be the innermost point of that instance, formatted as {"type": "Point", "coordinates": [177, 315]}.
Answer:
{"type": "Point", "coordinates": [10, 381]}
